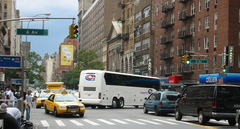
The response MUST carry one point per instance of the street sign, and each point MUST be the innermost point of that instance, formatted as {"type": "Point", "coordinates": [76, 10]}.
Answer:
{"type": "Point", "coordinates": [10, 61]}
{"type": "Point", "coordinates": [198, 61]}
{"type": "Point", "coordinates": [32, 32]}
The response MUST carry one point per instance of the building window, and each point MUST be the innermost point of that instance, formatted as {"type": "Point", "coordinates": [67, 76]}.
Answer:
{"type": "Point", "coordinates": [199, 24]}
{"type": "Point", "coordinates": [146, 12]}
{"type": "Point", "coordinates": [145, 44]}
{"type": "Point", "coordinates": [215, 2]}
{"type": "Point", "coordinates": [206, 65]}
{"type": "Point", "coordinates": [173, 3]}
{"type": "Point", "coordinates": [192, 28]}
{"type": "Point", "coordinates": [239, 38]}
{"type": "Point", "coordinates": [192, 9]}
{"type": "Point", "coordinates": [199, 6]}
{"type": "Point", "coordinates": [157, 11]}
{"type": "Point", "coordinates": [172, 18]}
{"type": "Point", "coordinates": [172, 51]}
{"type": "Point", "coordinates": [215, 40]}
{"type": "Point", "coordinates": [137, 46]}
{"type": "Point", "coordinates": [146, 27]}
{"type": "Point", "coordinates": [215, 20]}
{"type": "Point", "coordinates": [207, 4]}
{"type": "Point", "coordinates": [172, 35]}
{"type": "Point", "coordinates": [192, 46]}
{"type": "Point", "coordinates": [207, 22]}
{"type": "Point", "coordinates": [5, 14]}
{"type": "Point", "coordinates": [199, 44]}
{"type": "Point", "coordinates": [206, 42]}
{"type": "Point", "coordinates": [156, 40]}
{"type": "Point", "coordinates": [138, 17]}
{"type": "Point", "coordinates": [171, 68]}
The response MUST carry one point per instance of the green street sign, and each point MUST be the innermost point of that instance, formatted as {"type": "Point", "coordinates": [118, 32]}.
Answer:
{"type": "Point", "coordinates": [32, 32]}
{"type": "Point", "coordinates": [198, 61]}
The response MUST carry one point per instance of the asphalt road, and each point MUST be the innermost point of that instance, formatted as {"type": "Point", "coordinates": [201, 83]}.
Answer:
{"type": "Point", "coordinates": [128, 117]}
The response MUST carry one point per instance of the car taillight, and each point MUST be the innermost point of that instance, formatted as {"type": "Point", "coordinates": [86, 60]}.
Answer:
{"type": "Point", "coordinates": [160, 104]}
{"type": "Point", "coordinates": [99, 95]}
{"type": "Point", "coordinates": [214, 104]}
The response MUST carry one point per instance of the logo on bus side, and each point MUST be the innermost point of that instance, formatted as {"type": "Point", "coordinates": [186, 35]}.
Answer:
{"type": "Point", "coordinates": [90, 77]}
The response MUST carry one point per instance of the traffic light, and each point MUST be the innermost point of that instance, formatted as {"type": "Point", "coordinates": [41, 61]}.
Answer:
{"type": "Point", "coordinates": [73, 31]}
{"type": "Point", "coordinates": [224, 68]}
{"type": "Point", "coordinates": [186, 59]}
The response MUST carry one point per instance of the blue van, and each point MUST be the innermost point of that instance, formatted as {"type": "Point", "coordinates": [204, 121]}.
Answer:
{"type": "Point", "coordinates": [161, 102]}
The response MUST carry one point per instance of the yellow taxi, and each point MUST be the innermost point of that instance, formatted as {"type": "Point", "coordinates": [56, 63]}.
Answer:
{"type": "Point", "coordinates": [40, 100]}
{"type": "Point", "coordinates": [64, 103]}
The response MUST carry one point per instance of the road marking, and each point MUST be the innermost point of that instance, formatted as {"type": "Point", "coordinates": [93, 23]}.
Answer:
{"type": "Point", "coordinates": [91, 122]}
{"type": "Point", "coordinates": [76, 123]}
{"type": "Point", "coordinates": [44, 123]}
{"type": "Point", "coordinates": [60, 123]}
{"type": "Point", "coordinates": [135, 121]}
{"type": "Point", "coordinates": [149, 121]}
{"type": "Point", "coordinates": [119, 121]}
{"type": "Point", "coordinates": [207, 127]}
{"type": "Point", "coordinates": [165, 121]}
{"type": "Point", "coordinates": [107, 122]}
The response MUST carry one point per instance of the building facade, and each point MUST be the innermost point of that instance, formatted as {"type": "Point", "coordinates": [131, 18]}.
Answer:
{"type": "Point", "coordinates": [96, 23]}
{"type": "Point", "coordinates": [206, 29]}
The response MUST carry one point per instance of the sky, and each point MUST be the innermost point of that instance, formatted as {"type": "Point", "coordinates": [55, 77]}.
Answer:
{"type": "Point", "coordinates": [57, 28]}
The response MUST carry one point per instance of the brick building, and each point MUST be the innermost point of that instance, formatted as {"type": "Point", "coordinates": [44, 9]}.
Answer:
{"type": "Point", "coordinates": [209, 29]}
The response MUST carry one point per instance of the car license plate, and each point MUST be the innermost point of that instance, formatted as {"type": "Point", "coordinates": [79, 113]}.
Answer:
{"type": "Point", "coordinates": [73, 110]}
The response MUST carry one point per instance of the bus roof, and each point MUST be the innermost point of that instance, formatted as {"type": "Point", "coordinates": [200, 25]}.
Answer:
{"type": "Point", "coordinates": [103, 72]}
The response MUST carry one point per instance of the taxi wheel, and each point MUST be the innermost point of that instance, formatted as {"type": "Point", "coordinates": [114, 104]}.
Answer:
{"type": "Point", "coordinates": [55, 112]}
{"type": "Point", "coordinates": [46, 111]}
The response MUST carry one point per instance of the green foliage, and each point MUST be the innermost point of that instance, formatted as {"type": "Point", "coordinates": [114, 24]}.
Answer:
{"type": "Point", "coordinates": [34, 70]}
{"type": "Point", "coordinates": [85, 60]}
{"type": "Point", "coordinates": [12, 73]}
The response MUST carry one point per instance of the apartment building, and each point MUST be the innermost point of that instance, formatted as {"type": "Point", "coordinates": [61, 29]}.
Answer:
{"type": "Point", "coordinates": [96, 24]}
{"type": "Point", "coordinates": [208, 29]}
{"type": "Point", "coordinates": [143, 56]}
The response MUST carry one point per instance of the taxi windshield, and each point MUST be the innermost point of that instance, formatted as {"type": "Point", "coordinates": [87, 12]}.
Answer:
{"type": "Point", "coordinates": [46, 95]}
{"type": "Point", "coordinates": [66, 98]}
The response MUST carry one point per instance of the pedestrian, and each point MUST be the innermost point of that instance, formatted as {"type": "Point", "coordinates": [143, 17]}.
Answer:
{"type": "Point", "coordinates": [28, 104]}
{"type": "Point", "coordinates": [9, 122]}
{"type": "Point", "coordinates": [10, 96]}
{"type": "Point", "coordinates": [15, 112]}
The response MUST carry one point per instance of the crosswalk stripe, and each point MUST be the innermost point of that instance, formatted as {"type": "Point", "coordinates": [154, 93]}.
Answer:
{"type": "Point", "coordinates": [119, 121]}
{"type": "Point", "coordinates": [135, 121]}
{"type": "Point", "coordinates": [107, 122]}
{"type": "Point", "coordinates": [76, 123]}
{"type": "Point", "coordinates": [60, 123]}
{"type": "Point", "coordinates": [165, 122]}
{"type": "Point", "coordinates": [91, 122]}
{"type": "Point", "coordinates": [149, 121]}
{"type": "Point", "coordinates": [180, 122]}
{"type": "Point", "coordinates": [44, 123]}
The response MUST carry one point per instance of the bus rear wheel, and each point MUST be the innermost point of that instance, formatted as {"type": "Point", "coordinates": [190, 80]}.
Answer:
{"type": "Point", "coordinates": [114, 103]}
{"type": "Point", "coordinates": [121, 103]}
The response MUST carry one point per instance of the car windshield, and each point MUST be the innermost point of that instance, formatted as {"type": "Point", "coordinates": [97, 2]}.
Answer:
{"type": "Point", "coordinates": [66, 98]}
{"type": "Point", "coordinates": [44, 95]}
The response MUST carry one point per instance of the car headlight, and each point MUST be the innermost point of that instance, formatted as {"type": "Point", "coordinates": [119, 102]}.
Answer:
{"type": "Point", "coordinates": [82, 106]}
{"type": "Point", "coordinates": [62, 107]}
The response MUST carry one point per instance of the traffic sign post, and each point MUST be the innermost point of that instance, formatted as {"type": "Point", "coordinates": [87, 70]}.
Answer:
{"type": "Point", "coordinates": [32, 32]}
{"type": "Point", "coordinates": [198, 61]}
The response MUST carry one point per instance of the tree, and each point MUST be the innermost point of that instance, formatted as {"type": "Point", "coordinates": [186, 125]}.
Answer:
{"type": "Point", "coordinates": [34, 70]}
{"type": "Point", "coordinates": [85, 60]}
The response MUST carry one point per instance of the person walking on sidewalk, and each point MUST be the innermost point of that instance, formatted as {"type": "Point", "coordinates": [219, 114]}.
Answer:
{"type": "Point", "coordinates": [28, 104]}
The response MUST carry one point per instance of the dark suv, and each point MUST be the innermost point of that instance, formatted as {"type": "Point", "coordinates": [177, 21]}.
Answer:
{"type": "Point", "coordinates": [207, 102]}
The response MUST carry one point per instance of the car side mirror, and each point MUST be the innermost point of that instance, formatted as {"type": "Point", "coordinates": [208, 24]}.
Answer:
{"type": "Point", "coordinates": [80, 100]}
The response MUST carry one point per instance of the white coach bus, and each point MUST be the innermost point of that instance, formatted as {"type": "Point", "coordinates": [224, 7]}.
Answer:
{"type": "Point", "coordinates": [99, 88]}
